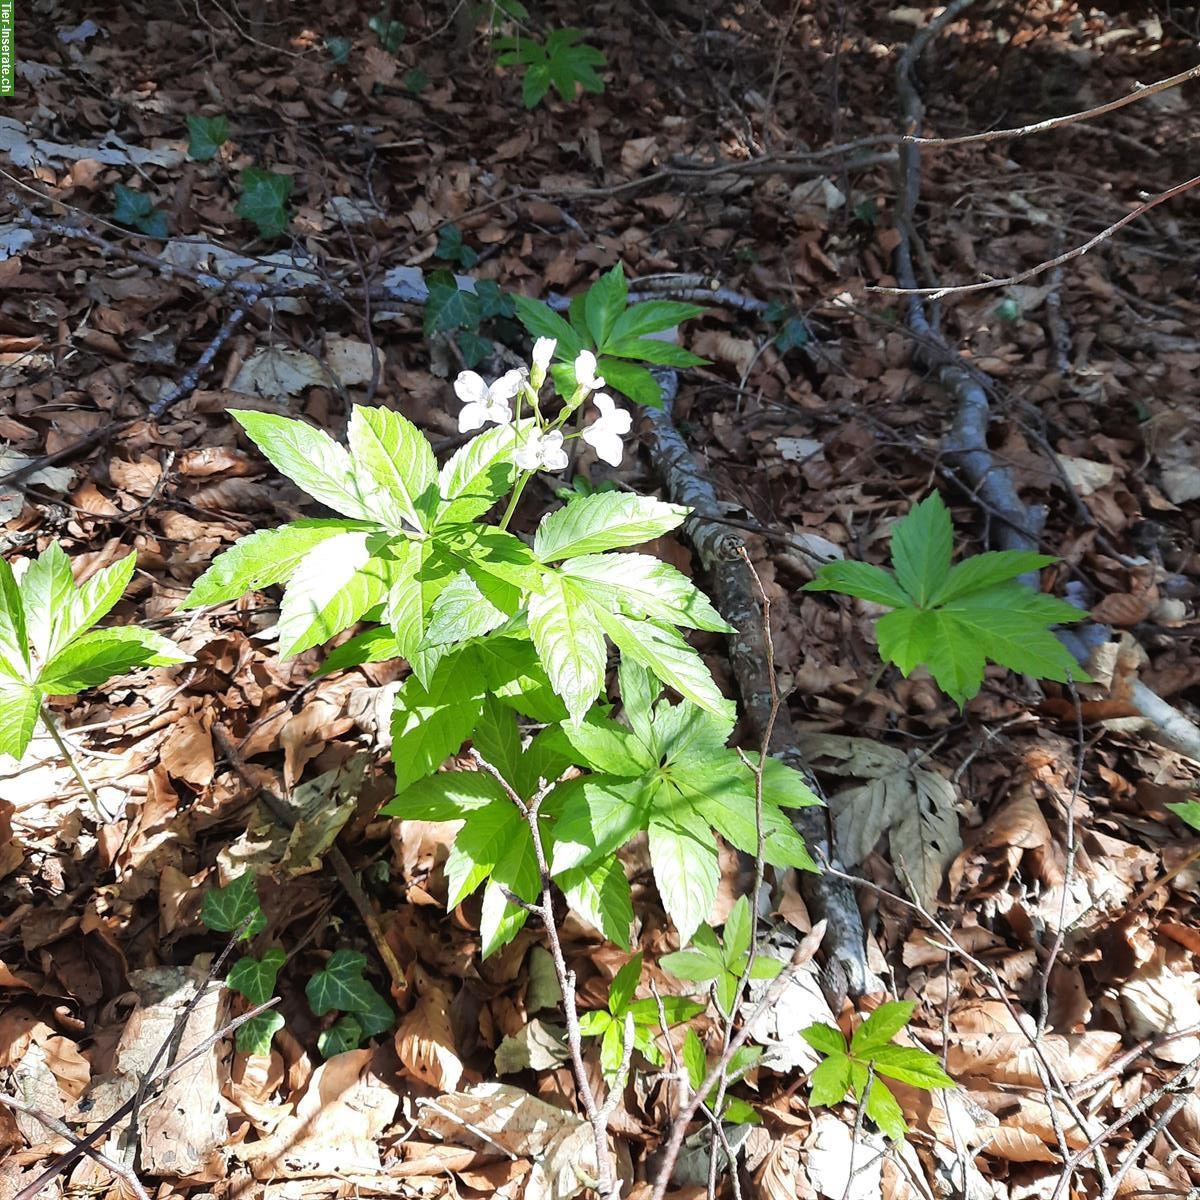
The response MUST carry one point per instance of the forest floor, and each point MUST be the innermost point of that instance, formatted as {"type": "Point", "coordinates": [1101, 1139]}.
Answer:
{"type": "Point", "coordinates": [1068, 993]}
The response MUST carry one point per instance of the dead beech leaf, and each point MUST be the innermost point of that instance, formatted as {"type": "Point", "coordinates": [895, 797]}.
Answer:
{"type": "Point", "coordinates": [137, 478]}
{"type": "Point", "coordinates": [1160, 999]}
{"type": "Point", "coordinates": [351, 360]}
{"type": "Point", "coordinates": [188, 752]}
{"type": "Point", "coordinates": [215, 460]}
{"type": "Point", "coordinates": [913, 805]}
{"type": "Point", "coordinates": [1086, 476]}
{"type": "Point", "coordinates": [425, 1041]}
{"type": "Point", "coordinates": [322, 807]}
{"type": "Point", "coordinates": [279, 372]}
{"type": "Point", "coordinates": [831, 1154]}
{"type": "Point", "coordinates": [559, 1142]}
{"type": "Point", "coordinates": [1123, 608]}
{"type": "Point", "coordinates": [1008, 1058]}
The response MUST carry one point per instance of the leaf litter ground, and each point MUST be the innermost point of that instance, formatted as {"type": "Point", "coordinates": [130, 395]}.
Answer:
{"type": "Point", "coordinates": [1034, 827]}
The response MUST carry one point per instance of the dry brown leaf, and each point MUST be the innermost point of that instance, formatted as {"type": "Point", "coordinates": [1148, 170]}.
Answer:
{"type": "Point", "coordinates": [188, 752]}
{"type": "Point", "coordinates": [1161, 999]}
{"type": "Point", "coordinates": [1009, 1058]}
{"type": "Point", "coordinates": [425, 1040]}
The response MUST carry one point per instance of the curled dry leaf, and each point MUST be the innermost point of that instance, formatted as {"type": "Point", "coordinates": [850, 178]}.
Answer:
{"type": "Point", "coordinates": [1123, 608]}
{"type": "Point", "coordinates": [425, 1040]}
{"type": "Point", "coordinates": [1161, 999]}
{"type": "Point", "coordinates": [1008, 1058]}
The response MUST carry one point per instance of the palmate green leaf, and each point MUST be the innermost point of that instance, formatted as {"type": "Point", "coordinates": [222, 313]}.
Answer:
{"type": "Point", "coordinates": [639, 689]}
{"type": "Point", "coordinates": [255, 978]}
{"type": "Point", "coordinates": [880, 1027]}
{"type": "Point", "coordinates": [485, 838]}
{"type": "Point", "coordinates": [921, 547]}
{"type": "Point", "coordinates": [14, 645]}
{"type": "Point", "coordinates": [652, 316]}
{"type": "Point", "coordinates": [500, 920]}
{"type": "Point", "coordinates": [1188, 811]}
{"type": "Point", "coordinates": [225, 908]}
{"type": "Point", "coordinates": [264, 199]}
{"type": "Point", "coordinates": [736, 936]}
{"type": "Point", "coordinates": [594, 1023]}
{"type": "Point", "coordinates": [697, 964]}
{"type": "Point", "coordinates": [604, 303]}
{"type": "Point", "coordinates": [570, 63]}
{"type": "Point", "coordinates": [344, 1034]}
{"type": "Point", "coordinates": [864, 580]}
{"type": "Point", "coordinates": [47, 589]}
{"type": "Point", "coordinates": [694, 1058]}
{"type": "Point", "coordinates": [825, 1039]}
{"type": "Point", "coordinates": [20, 706]}
{"type": "Point", "coordinates": [264, 558]}
{"type": "Point", "coordinates": [390, 450]}
{"type": "Point", "coordinates": [677, 1008]}
{"type": "Point", "coordinates": [447, 796]}
{"type": "Point", "coordinates": [97, 597]}
{"type": "Point", "coordinates": [477, 476]}
{"type": "Point", "coordinates": [461, 612]}
{"type": "Point", "coordinates": [569, 644]}
{"type": "Point", "coordinates": [653, 350]}
{"type": "Point", "coordinates": [335, 583]}
{"type": "Point", "coordinates": [623, 986]}
{"type": "Point", "coordinates": [311, 459]}
{"type": "Point", "coordinates": [983, 571]}
{"type": "Point", "coordinates": [609, 748]}
{"type": "Point", "coordinates": [256, 1035]}
{"type": "Point", "coordinates": [684, 859]}
{"type": "Point", "coordinates": [96, 657]}
{"type": "Point", "coordinates": [604, 521]}
{"type": "Point", "coordinates": [374, 645]}
{"type": "Point", "coordinates": [640, 585]}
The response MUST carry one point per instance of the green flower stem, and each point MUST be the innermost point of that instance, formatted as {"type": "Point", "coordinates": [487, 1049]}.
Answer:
{"type": "Point", "coordinates": [67, 753]}
{"type": "Point", "coordinates": [516, 497]}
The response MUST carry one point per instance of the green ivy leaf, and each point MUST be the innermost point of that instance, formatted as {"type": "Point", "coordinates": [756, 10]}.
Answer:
{"type": "Point", "coordinates": [264, 200]}
{"type": "Point", "coordinates": [225, 908]}
{"type": "Point", "coordinates": [256, 1035]}
{"type": "Point", "coordinates": [206, 135]}
{"type": "Point", "coordinates": [345, 1034]}
{"type": "Point", "coordinates": [340, 986]}
{"type": "Point", "coordinates": [136, 210]}
{"type": "Point", "coordinates": [449, 307]}
{"type": "Point", "coordinates": [255, 978]}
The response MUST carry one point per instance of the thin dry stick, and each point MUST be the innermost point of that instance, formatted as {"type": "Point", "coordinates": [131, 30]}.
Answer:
{"type": "Point", "coordinates": [608, 1184]}
{"type": "Point", "coordinates": [64, 1161]}
{"type": "Point", "coordinates": [963, 288]}
{"type": "Point", "coordinates": [119, 1170]}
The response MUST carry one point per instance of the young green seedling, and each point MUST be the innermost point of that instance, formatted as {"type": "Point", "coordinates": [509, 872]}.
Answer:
{"type": "Point", "coordinates": [953, 619]}
{"type": "Point", "coordinates": [872, 1054]}
{"type": "Point", "coordinates": [722, 963]}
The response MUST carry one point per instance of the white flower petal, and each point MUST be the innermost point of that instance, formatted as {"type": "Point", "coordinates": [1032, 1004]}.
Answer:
{"type": "Point", "coordinates": [543, 352]}
{"type": "Point", "coordinates": [507, 386]}
{"type": "Point", "coordinates": [585, 371]}
{"type": "Point", "coordinates": [526, 457]}
{"type": "Point", "coordinates": [472, 416]}
{"type": "Point", "coordinates": [470, 387]}
{"type": "Point", "coordinates": [607, 444]}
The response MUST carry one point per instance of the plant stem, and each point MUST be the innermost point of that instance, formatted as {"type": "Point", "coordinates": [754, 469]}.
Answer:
{"type": "Point", "coordinates": [516, 497]}
{"type": "Point", "coordinates": [72, 762]}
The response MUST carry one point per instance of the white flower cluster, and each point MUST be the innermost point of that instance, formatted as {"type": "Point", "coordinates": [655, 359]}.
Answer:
{"type": "Point", "coordinates": [542, 447]}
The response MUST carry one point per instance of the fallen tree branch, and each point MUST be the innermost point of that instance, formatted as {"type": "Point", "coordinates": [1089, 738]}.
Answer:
{"type": "Point", "coordinates": [966, 446]}
{"type": "Point", "coordinates": [845, 971]}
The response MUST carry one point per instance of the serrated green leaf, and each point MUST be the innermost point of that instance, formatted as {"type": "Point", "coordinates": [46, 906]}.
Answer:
{"type": "Point", "coordinates": [736, 935]}
{"type": "Point", "coordinates": [428, 725]}
{"type": "Point", "coordinates": [612, 1048]}
{"type": "Point", "coordinates": [677, 1009]}
{"type": "Point", "coordinates": [600, 894]}
{"type": "Point", "coordinates": [911, 1065]}
{"type": "Point", "coordinates": [983, 571]}
{"type": "Point", "coordinates": [375, 645]}
{"type": "Point", "coordinates": [335, 583]}
{"type": "Point", "coordinates": [594, 1023]}
{"type": "Point", "coordinates": [639, 690]}
{"type": "Point", "coordinates": [640, 585]}
{"type": "Point", "coordinates": [597, 817]}
{"type": "Point", "coordinates": [662, 649]}
{"type": "Point", "coordinates": [652, 350]}
{"type": "Point", "coordinates": [486, 836]}
{"type": "Point", "coordinates": [765, 968]}
{"type": "Point", "coordinates": [604, 521]}
{"type": "Point", "coordinates": [569, 644]}
{"type": "Point", "coordinates": [256, 1035]}
{"type": "Point", "coordinates": [881, 1026]}
{"type": "Point", "coordinates": [885, 1111]}
{"type": "Point", "coordinates": [694, 1058]}
{"type": "Point", "coordinates": [1188, 811]}
{"type": "Point", "coordinates": [461, 612]}
{"type": "Point", "coordinates": [825, 1039]}
{"type": "Point", "coordinates": [631, 380]}
{"type": "Point", "coordinates": [447, 796]}
{"type": "Point", "coordinates": [46, 589]}
{"type": "Point", "coordinates": [738, 1112]}
{"type": "Point", "coordinates": [14, 643]}
{"type": "Point", "coordinates": [345, 1034]}
{"type": "Point", "coordinates": [609, 748]}
{"type": "Point", "coordinates": [864, 580]}
{"type": "Point", "coordinates": [499, 919]}
{"type": "Point", "coordinates": [255, 978]}
{"type": "Point", "coordinates": [206, 135]}
{"type": "Point", "coordinates": [623, 986]}
{"type": "Point", "coordinates": [390, 450]}
{"type": "Point", "coordinates": [225, 908]}
{"type": "Point", "coordinates": [605, 302]}
{"type": "Point", "coordinates": [829, 1081]}
{"type": "Point", "coordinates": [263, 200]}
{"type": "Point", "coordinates": [697, 964]}
{"type": "Point", "coordinates": [20, 706]}
{"type": "Point", "coordinates": [261, 559]}
{"type": "Point", "coordinates": [540, 320]}
{"type": "Point", "coordinates": [96, 657]}
{"type": "Point", "coordinates": [652, 316]}
{"type": "Point", "coordinates": [311, 459]}
{"type": "Point", "coordinates": [922, 543]}
{"type": "Point", "coordinates": [684, 859]}
{"type": "Point", "coordinates": [476, 476]}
